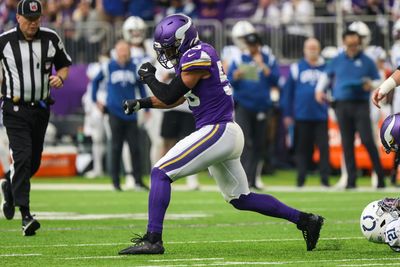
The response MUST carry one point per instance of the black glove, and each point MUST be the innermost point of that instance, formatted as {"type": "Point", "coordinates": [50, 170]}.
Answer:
{"type": "Point", "coordinates": [146, 70]}
{"type": "Point", "coordinates": [130, 106]}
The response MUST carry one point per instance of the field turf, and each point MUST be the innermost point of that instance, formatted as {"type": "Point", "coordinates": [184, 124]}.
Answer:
{"type": "Point", "coordinates": [88, 228]}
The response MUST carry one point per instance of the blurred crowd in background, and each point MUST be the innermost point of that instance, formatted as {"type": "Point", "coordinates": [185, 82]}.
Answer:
{"type": "Point", "coordinates": [64, 12]}
{"type": "Point", "coordinates": [97, 23]}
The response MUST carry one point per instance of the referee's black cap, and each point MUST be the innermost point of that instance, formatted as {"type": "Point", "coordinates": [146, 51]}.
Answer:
{"type": "Point", "coordinates": [29, 8]}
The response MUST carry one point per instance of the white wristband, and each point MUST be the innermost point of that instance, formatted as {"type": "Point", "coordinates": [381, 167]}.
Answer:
{"type": "Point", "coordinates": [388, 85]}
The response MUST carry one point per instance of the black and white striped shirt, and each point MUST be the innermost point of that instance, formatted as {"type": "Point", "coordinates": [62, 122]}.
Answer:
{"type": "Point", "coordinates": [27, 65]}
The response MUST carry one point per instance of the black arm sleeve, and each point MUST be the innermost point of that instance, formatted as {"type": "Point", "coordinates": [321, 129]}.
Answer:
{"type": "Point", "coordinates": [167, 93]}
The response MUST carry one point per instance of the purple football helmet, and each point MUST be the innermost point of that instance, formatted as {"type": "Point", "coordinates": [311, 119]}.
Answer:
{"type": "Point", "coordinates": [173, 36]}
{"type": "Point", "coordinates": [390, 133]}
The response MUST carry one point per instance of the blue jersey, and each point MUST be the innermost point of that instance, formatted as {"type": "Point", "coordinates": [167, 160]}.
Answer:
{"type": "Point", "coordinates": [121, 85]}
{"type": "Point", "coordinates": [253, 92]}
{"type": "Point", "coordinates": [349, 74]}
{"type": "Point", "coordinates": [299, 92]}
{"type": "Point", "coordinates": [211, 99]}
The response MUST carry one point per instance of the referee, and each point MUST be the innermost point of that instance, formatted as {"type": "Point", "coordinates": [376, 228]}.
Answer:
{"type": "Point", "coordinates": [27, 54]}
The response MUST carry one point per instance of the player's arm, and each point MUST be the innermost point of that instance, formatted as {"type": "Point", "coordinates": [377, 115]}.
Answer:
{"type": "Point", "coordinates": [165, 95]}
{"type": "Point", "coordinates": [388, 85]}
{"type": "Point", "coordinates": [172, 92]}
{"type": "Point", "coordinates": [134, 105]}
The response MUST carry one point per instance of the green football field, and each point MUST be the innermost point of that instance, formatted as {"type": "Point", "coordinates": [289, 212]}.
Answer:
{"type": "Point", "coordinates": [88, 228]}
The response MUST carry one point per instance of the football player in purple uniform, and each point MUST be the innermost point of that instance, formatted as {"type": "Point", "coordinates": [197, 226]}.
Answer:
{"type": "Point", "coordinates": [217, 142]}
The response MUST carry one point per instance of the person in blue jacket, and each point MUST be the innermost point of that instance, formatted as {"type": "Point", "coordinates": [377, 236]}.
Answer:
{"type": "Point", "coordinates": [121, 77]}
{"type": "Point", "coordinates": [353, 75]}
{"type": "Point", "coordinates": [310, 118]}
{"type": "Point", "coordinates": [252, 75]}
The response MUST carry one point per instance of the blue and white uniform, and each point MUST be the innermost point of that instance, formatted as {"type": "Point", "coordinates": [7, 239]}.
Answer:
{"type": "Point", "coordinates": [298, 94]}
{"type": "Point", "coordinates": [121, 82]}
{"type": "Point", "coordinates": [349, 74]}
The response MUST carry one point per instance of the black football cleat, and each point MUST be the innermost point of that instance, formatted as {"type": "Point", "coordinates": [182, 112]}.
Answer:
{"type": "Point", "coordinates": [310, 224]}
{"type": "Point", "coordinates": [29, 226]}
{"type": "Point", "coordinates": [142, 245]}
{"type": "Point", "coordinates": [7, 201]}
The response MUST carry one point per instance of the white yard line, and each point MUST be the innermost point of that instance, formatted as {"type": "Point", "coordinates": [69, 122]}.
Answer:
{"type": "Point", "coordinates": [19, 255]}
{"type": "Point", "coordinates": [220, 261]}
{"type": "Point", "coordinates": [175, 226]}
{"type": "Point", "coordinates": [92, 257]}
{"type": "Point", "coordinates": [371, 264]}
{"type": "Point", "coordinates": [205, 188]}
{"type": "Point", "coordinates": [184, 242]}
{"type": "Point", "coordinates": [260, 240]}
{"type": "Point", "coordinates": [191, 259]}
{"type": "Point", "coordinates": [67, 245]}
{"type": "Point", "coordinates": [123, 256]}
{"type": "Point", "coordinates": [76, 216]}
{"type": "Point", "coordinates": [241, 263]}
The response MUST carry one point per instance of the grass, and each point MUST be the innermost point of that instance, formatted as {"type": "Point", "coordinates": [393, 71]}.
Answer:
{"type": "Point", "coordinates": [212, 234]}
{"type": "Point", "coordinates": [280, 177]}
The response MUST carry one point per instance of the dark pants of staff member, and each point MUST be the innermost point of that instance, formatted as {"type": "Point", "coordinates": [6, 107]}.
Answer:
{"type": "Point", "coordinates": [122, 130]}
{"type": "Point", "coordinates": [26, 127]}
{"type": "Point", "coordinates": [254, 126]}
{"type": "Point", "coordinates": [355, 116]}
{"type": "Point", "coordinates": [307, 134]}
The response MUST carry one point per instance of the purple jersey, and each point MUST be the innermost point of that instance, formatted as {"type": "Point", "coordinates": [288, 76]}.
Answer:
{"type": "Point", "coordinates": [211, 99]}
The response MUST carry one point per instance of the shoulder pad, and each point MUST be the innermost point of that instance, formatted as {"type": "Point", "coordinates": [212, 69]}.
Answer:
{"type": "Point", "coordinates": [195, 58]}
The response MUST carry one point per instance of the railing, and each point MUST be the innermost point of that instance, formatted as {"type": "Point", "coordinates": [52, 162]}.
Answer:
{"type": "Point", "coordinates": [288, 46]}
{"type": "Point", "coordinates": [86, 41]}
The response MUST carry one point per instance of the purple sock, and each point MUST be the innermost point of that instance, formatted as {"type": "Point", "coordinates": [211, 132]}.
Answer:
{"type": "Point", "coordinates": [159, 197]}
{"type": "Point", "coordinates": [267, 205]}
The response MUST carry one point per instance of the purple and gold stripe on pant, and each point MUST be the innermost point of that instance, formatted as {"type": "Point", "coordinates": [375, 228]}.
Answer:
{"type": "Point", "coordinates": [195, 149]}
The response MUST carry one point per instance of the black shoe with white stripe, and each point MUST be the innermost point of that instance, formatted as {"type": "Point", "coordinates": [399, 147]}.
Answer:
{"type": "Point", "coordinates": [7, 201]}
{"type": "Point", "coordinates": [29, 226]}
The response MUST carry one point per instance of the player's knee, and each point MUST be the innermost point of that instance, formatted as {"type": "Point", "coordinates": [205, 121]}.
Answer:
{"type": "Point", "coordinates": [239, 203]}
{"type": "Point", "coordinates": [157, 174]}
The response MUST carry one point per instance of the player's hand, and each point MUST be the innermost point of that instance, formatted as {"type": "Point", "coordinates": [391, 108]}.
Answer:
{"type": "Point", "coordinates": [238, 74]}
{"type": "Point", "coordinates": [367, 85]}
{"type": "Point", "coordinates": [320, 97]}
{"type": "Point", "coordinates": [146, 70]}
{"type": "Point", "coordinates": [55, 81]}
{"type": "Point", "coordinates": [377, 96]}
{"type": "Point", "coordinates": [130, 106]}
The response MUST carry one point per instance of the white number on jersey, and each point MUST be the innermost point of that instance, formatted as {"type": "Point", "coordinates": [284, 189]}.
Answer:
{"type": "Point", "coordinates": [192, 99]}
{"type": "Point", "coordinates": [224, 78]}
